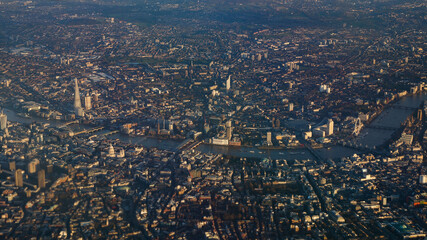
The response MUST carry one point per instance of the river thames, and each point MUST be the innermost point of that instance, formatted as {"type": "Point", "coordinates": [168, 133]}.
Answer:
{"type": "Point", "coordinates": [391, 117]}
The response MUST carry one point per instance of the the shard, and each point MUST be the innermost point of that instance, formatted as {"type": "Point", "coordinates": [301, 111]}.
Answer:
{"type": "Point", "coordinates": [77, 102]}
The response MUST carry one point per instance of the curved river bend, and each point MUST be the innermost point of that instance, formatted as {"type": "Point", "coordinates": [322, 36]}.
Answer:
{"type": "Point", "coordinates": [391, 117]}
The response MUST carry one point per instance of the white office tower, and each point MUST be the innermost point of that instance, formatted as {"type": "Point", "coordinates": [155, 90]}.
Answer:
{"type": "Point", "coordinates": [88, 102]}
{"type": "Point", "coordinates": [3, 121]}
{"type": "Point", "coordinates": [228, 83]}
{"type": "Point", "coordinates": [77, 102]}
{"type": "Point", "coordinates": [330, 127]}
{"type": "Point", "coordinates": [423, 179]}
{"type": "Point", "coordinates": [269, 142]}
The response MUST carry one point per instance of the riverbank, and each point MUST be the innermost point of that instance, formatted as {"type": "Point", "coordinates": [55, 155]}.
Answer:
{"type": "Point", "coordinates": [381, 130]}
{"type": "Point", "coordinates": [390, 117]}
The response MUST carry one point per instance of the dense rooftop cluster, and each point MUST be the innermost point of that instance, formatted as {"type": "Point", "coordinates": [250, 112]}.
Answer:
{"type": "Point", "coordinates": [296, 82]}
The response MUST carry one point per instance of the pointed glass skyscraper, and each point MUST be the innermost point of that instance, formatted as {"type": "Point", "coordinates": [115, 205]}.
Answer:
{"type": "Point", "coordinates": [77, 102]}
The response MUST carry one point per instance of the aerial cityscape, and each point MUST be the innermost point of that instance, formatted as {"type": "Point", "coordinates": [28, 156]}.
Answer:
{"type": "Point", "coordinates": [213, 119]}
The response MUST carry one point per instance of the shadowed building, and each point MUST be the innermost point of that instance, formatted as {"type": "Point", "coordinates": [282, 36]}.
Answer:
{"type": "Point", "coordinates": [41, 178]}
{"type": "Point", "coordinates": [19, 178]}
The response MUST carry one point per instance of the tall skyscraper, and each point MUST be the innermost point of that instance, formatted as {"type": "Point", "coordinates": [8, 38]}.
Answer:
{"type": "Point", "coordinates": [269, 142]}
{"type": "Point", "coordinates": [41, 177]}
{"type": "Point", "coordinates": [228, 83]}
{"type": "Point", "coordinates": [3, 121]}
{"type": "Point", "coordinates": [88, 102]}
{"type": "Point", "coordinates": [77, 102]}
{"type": "Point", "coordinates": [330, 127]}
{"type": "Point", "coordinates": [19, 178]}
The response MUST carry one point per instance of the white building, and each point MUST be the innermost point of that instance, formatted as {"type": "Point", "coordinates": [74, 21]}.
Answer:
{"type": "Point", "coordinates": [269, 142]}
{"type": "Point", "coordinates": [88, 102]}
{"type": "Point", "coordinates": [228, 83]}
{"type": "Point", "coordinates": [423, 179]}
{"type": "Point", "coordinates": [330, 127]}
{"type": "Point", "coordinates": [3, 121]}
{"type": "Point", "coordinates": [324, 88]}
{"type": "Point", "coordinates": [220, 141]}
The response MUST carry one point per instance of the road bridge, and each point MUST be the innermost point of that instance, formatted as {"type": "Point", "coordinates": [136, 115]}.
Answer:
{"type": "Point", "coordinates": [314, 153]}
{"type": "Point", "coordinates": [88, 131]}
{"type": "Point", "coordinates": [382, 127]}
{"type": "Point", "coordinates": [68, 123]}
{"type": "Point", "coordinates": [189, 144]}
{"type": "Point", "coordinates": [185, 144]}
{"type": "Point", "coordinates": [404, 107]}
{"type": "Point", "coordinates": [110, 133]}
